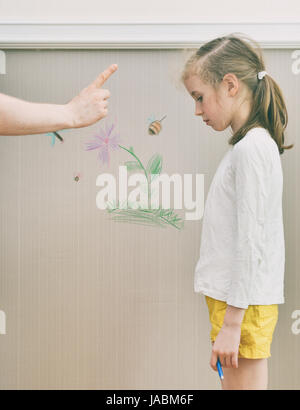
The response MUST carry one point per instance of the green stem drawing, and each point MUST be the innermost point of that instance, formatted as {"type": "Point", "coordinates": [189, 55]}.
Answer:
{"type": "Point", "coordinates": [145, 172]}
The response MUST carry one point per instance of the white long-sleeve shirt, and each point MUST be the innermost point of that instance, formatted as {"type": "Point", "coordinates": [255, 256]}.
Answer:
{"type": "Point", "coordinates": [242, 252]}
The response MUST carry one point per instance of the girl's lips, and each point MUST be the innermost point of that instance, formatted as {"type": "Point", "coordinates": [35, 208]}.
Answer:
{"type": "Point", "coordinates": [206, 121]}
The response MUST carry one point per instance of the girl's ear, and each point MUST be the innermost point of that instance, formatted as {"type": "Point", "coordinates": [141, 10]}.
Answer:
{"type": "Point", "coordinates": [231, 83]}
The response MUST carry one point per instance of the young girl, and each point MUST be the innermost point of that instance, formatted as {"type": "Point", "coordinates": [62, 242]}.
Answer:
{"type": "Point", "coordinates": [242, 252]}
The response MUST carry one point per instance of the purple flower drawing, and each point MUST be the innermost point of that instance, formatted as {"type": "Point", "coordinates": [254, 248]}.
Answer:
{"type": "Point", "coordinates": [104, 142]}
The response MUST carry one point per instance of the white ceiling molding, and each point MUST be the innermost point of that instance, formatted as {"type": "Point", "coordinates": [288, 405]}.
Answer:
{"type": "Point", "coordinates": [140, 35]}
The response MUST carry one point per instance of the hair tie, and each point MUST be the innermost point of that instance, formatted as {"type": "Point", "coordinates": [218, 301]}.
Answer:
{"type": "Point", "coordinates": [261, 74]}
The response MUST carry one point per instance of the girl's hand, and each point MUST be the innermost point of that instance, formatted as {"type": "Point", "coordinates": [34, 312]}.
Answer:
{"type": "Point", "coordinates": [91, 104]}
{"type": "Point", "coordinates": [226, 347]}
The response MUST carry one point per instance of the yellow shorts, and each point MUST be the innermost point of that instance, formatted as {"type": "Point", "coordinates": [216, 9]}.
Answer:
{"type": "Point", "coordinates": [256, 331]}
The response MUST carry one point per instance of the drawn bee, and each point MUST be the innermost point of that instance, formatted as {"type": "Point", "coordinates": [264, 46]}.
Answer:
{"type": "Point", "coordinates": [155, 126]}
{"type": "Point", "coordinates": [77, 176]}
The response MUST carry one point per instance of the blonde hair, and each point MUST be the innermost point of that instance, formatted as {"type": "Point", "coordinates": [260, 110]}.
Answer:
{"type": "Point", "coordinates": [234, 54]}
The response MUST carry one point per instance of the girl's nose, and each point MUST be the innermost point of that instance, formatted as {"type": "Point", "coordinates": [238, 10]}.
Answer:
{"type": "Point", "coordinates": [198, 110]}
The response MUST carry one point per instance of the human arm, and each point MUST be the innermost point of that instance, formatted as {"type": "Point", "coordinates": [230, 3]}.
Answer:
{"type": "Point", "coordinates": [19, 117]}
{"type": "Point", "coordinates": [251, 162]}
{"type": "Point", "coordinates": [226, 345]}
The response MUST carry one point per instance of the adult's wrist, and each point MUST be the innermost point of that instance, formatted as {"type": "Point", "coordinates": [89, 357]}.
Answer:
{"type": "Point", "coordinates": [70, 121]}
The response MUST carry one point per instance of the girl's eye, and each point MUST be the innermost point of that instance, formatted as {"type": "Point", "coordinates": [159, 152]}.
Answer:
{"type": "Point", "coordinates": [199, 98]}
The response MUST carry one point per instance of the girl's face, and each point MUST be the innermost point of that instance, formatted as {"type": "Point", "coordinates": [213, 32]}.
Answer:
{"type": "Point", "coordinates": [212, 105]}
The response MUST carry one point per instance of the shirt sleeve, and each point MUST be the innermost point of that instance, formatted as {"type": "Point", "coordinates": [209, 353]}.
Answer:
{"type": "Point", "coordinates": [250, 165]}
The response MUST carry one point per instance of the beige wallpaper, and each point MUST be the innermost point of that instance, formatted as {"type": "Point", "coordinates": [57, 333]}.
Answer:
{"type": "Point", "coordinates": [96, 303]}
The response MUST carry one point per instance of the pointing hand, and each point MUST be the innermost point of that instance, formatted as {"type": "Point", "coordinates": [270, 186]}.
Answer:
{"type": "Point", "coordinates": [91, 104]}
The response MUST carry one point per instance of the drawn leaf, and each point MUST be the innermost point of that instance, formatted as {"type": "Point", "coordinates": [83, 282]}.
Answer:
{"type": "Point", "coordinates": [155, 164]}
{"type": "Point", "coordinates": [132, 165]}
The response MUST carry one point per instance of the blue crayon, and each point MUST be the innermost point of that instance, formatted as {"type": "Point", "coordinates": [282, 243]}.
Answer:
{"type": "Point", "coordinates": [220, 371]}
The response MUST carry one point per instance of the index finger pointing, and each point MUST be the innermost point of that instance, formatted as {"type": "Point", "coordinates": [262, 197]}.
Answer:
{"type": "Point", "coordinates": [100, 80]}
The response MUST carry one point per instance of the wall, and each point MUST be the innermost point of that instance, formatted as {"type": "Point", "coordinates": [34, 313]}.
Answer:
{"type": "Point", "coordinates": [156, 10]}
{"type": "Point", "coordinates": [94, 303]}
